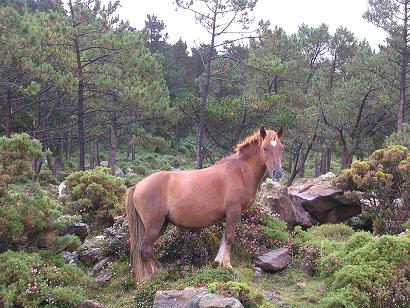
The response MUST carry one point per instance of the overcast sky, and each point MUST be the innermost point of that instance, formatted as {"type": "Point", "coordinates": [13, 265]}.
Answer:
{"type": "Point", "coordinates": [288, 14]}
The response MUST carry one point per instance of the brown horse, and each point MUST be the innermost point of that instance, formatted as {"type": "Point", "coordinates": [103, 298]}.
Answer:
{"type": "Point", "coordinates": [200, 198]}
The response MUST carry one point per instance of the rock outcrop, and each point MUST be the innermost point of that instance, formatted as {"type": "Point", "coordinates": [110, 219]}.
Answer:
{"type": "Point", "coordinates": [193, 297]}
{"type": "Point", "coordinates": [308, 202]}
{"type": "Point", "coordinates": [91, 304]}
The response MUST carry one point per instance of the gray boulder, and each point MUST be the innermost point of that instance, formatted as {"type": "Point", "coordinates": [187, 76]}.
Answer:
{"type": "Point", "coordinates": [91, 304]}
{"type": "Point", "coordinates": [324, 201]}
{"type": "Point", "coordinates": [70, 257]}
{"type": "Point", "coordinates": [101, 265]}
{"type": "Point", "coordinates": [274, 260]}
{"type": "Point", "coordinates": [103, 277]}
{"type": "Point", "coordinates": [308, 202]}
{"type": "Point", "coordinates": [93, 250]}
{"type": "Point", "coordinates": [78, 228]}
{"type": "Point", "coordinates": [91, 256]}
{"type": "Point", "coordinates": [193, 297]}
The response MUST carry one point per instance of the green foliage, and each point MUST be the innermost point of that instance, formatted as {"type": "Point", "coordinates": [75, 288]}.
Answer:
{"type": "Point", "coordinates": [46, 177]}
{"type": "Point", "coordinates": [242, 291]}
{"type": "Point", "coordinates": [383, 181]}
{"type": "Point", "coordinates": [32, 221]}
{"type": "Point", "coordinates": [28, 280]}
{"type": "Point", "coordinates": [360, 270]}
{"type": "Point", "coordinates": [275, 228]}
{"type": "Point", "coordinates": [16, 157]}
{"type": "Point", "coordinates": [336, 232]}
{"type": "Point", "coordinates": [407, 224]}
{"type": "Point", "coordinates": [96, 195]}
{"type": "Point", "coordinates": [401, 138]}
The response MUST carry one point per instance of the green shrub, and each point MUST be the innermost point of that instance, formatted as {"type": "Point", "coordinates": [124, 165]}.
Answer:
{"type": "Point", "coordinates": [27, 280]}
{"type": "Point", "coordinates": [241, 290]}
{"type": "Point", "coordinates": [46, 177]}
{"type": "Point", "coordinates": [16, 158]}
{"type": "Point", "coordinates": [383, 182]}
{"type": "Point", "coordinates": [402, 138]}
{"type": "Point", "coordinates": [32, 221]}
{"type": "Point", "coordinates": [96, 195]}
{"type": "Point", "coordinates": [368, 270]}
{"type": "Point", "coordinates": [345, 298]}
{"type": "Point", "coordinates": [338, 232]}
{"type": "Point", "coordinates": [275, 228]}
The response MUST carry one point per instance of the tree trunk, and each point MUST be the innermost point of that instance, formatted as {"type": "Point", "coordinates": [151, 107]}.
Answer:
{"type": "Point", "coordinates": [347, 157]}
{"type": "Point", "coordinates": [290, 163]}
{"type": "Point", "coordinates": [301, 165]}
{"type": "Point", "coordinates": [317, 165]}
{"type": "Point", "coordinates": [36, 173]}
{"type": "Point", "coordinates": [204, 95]}
{"type": "Point", "coordinates": [95, 156]}
{"type": "Point", "coordinates": [9, 115]}
{"type": "Point", "coordinates": [80, 97]}
{"type": "Point", "coordinates": [177, 139]}
{"type": "Point", "coordinates": [403, 73]}
{"type": "Point", "coordinates": [80, 125]}
{"type": "Point", "coordinates": [329, 159]}
{"type": "Point", "coordinates": [113, 146]}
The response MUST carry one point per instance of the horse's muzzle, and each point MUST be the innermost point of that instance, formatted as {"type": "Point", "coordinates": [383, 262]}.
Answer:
{"type": "Point", "coordinates": [276, 174]}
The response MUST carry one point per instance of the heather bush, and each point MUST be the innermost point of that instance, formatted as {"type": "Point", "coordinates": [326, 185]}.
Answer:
{"type": "Point", "coordinates": [383, 184]}
{"type": "Point", "coordinates": [28, 280]}
{"type": "Point", "coordinates": [188, 247]}
{"type": "Point", "coordinates": [32, 221]}
{"type": "Point", "coordinates": [96, 195]}
{"type": "Point", "coordinates": [257, 232]}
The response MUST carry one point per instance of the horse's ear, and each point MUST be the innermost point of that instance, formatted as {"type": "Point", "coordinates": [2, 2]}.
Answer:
{"type": "Point", "coordinates": [280, 132]}
{"type": "Point", "coordinates": [262, 131]}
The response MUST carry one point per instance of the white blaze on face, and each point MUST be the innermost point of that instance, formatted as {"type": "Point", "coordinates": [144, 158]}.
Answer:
{"type": "Point", "coordinates": [273, 143]}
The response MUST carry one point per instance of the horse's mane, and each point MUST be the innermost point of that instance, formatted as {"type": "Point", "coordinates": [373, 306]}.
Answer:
{"type": "Point", "coordinates": [251, 140]}
{"type": "Point", "coordinates": [254, 139]}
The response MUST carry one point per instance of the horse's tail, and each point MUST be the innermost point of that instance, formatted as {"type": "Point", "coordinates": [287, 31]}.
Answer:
{"type": "Point", "coordinates": [136, 228]}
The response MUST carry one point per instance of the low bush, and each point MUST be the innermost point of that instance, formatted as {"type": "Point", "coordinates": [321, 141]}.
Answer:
{"type": "Point", "coordinates": [383, 184]}
{"type": "Point", "coordinates": [359, 269]}
{"type": "Point", "coordinates": [257, 232]}
{"type": "Point", "coordinates": [27, 280]}
{"type": "Point", "coordinates": [187, 247]}
{"type": "Point", "coordinates": [96, 195]}
{"type": "Point", "coordinates": [248, 297]}
{"type": "Point", "coordinates": [16, 158]}
{"type": "Point", "coordinates": [32, 222]}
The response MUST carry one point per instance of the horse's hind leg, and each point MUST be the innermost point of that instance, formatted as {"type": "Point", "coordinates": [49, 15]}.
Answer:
{"type": "Point", "coordinates": [152, 231]}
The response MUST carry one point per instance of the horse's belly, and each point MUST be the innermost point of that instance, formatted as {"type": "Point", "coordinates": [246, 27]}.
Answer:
{"type": "Point", "coordinates": [195, 211]}
{"type": "Point", "coordinates": [194, 219]}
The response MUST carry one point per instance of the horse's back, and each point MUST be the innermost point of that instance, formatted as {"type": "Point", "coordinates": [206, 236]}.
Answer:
{"type": "Point", "coordinates": [192, 199]}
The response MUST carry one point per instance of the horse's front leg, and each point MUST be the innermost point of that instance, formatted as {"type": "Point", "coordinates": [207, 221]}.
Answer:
{"type": "Point", "coordinates": [233, 216]}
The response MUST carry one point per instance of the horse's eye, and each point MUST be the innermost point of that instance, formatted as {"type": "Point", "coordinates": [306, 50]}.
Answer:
{"type": "Point", "coordinates": [265, 149]}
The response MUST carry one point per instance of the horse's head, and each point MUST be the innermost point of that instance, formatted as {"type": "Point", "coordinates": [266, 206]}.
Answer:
{"type": "Point", "coordinates": [271, 152]}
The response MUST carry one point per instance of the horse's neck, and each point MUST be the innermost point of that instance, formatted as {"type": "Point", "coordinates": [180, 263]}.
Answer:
{"type": "Point", "coordinates": [252, 167]}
